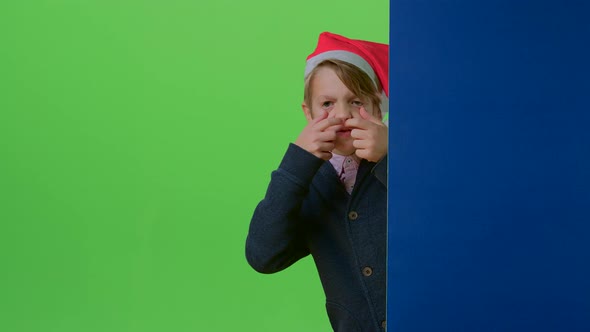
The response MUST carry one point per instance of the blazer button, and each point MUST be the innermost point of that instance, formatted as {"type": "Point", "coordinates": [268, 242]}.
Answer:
{"type": "Point", "coordinates": [383, 324]}
{"type": "Point", "coordinates": [367, 271]}
{"type": "Point", "coordinates": [352, 215]}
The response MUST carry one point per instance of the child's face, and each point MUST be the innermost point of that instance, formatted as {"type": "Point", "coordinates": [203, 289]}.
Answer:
{"type": "Point", "coordinates": [331, 95]}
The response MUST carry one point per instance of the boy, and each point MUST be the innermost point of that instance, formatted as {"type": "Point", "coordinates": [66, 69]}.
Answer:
{"type": "Point", "coordinates": [328, 198]}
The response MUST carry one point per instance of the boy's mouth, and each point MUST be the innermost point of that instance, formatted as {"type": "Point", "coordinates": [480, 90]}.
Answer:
{"type": "Point", "coordinates": [343, 132]}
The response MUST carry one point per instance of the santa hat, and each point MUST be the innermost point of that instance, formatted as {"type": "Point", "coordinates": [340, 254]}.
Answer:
{"type": "Point", "coordinates": [370, 57]}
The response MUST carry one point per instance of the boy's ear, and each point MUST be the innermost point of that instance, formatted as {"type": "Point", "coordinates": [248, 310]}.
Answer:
{"type": "Point", "coordinates": [307, 112]}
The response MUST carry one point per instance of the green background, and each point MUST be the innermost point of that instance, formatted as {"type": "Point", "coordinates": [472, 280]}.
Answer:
{"type": "Point", "coordinates": [136, 138]}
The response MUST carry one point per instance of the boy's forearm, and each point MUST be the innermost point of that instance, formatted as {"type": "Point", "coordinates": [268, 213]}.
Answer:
{"type": "Point", "coordinates": [300, 165]}
{"type": "Point", "coordinates": [274, 240]}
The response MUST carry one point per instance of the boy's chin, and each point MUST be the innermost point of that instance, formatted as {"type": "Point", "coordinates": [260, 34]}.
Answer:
{"type": "Point", "coordinates": [344, 151]}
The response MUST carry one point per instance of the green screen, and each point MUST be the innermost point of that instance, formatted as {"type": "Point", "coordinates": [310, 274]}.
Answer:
{"type": "Point", "coordinates": [136, 138]}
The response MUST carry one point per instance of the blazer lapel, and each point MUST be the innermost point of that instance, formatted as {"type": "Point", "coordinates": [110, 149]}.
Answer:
{"type": "Point", "coordinates": [329, 186]}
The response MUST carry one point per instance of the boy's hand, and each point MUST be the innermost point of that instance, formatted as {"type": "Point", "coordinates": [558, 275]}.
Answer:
{"type": "Point", "coordinates": [370, 136]}
{"type": "Point", "coordinates": [318, 138]}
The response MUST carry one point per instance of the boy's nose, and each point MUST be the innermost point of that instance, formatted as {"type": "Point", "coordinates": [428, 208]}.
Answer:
{"type": "Point", "coordinates": [342, 112]}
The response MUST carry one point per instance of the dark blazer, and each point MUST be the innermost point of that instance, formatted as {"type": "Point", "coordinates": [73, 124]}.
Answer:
{"type": "Point", "coordinates": [307, 210]}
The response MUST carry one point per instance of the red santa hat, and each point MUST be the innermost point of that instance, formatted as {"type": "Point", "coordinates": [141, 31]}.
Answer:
{"type": "Point", "coordinates": [370, 57]}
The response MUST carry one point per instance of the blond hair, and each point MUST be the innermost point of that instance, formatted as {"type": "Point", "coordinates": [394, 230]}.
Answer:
{"type": "Point", "coordinates": [356, 80]}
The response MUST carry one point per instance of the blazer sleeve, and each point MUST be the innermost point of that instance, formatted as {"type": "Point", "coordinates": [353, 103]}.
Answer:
{"type": "Point", "coordinates": [380, 171]}
{"type": "Point", "coordinates": [275, 238]}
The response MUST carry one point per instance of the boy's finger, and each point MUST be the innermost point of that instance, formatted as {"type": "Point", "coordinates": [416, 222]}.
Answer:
{"type": "Point", "coordinates": [327, 136]}
{"type": "Point", "coordinates": [362, 153]}
{"type": "Point", "coordinates": [358, 123]}
{"type": "Point", "coordinates": [358, 134]}
{"type": "Point", "coordinates": [325, 155]}
{"type": "Point", "coordinates": [326, 146]}
{"type": "Point", "coordinates": [323, 114]}
{"type": "Point", "coordinates": [360, 144]}
{"type": "Point", "coordinates": [334, 128]}
{"type": "Point", "coordinates": [325, 123]}
{"type": "Point", "coordinates": [365, 115]}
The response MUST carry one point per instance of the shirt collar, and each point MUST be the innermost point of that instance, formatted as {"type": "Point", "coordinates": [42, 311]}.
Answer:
{"type": "Point", "coordinates": [337, 160]}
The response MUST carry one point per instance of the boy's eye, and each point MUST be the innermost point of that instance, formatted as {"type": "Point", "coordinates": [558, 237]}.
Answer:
{"type": "Point", "coordinates": [327, 104]}
{"type": "Point", "coordinates": [357, 103]}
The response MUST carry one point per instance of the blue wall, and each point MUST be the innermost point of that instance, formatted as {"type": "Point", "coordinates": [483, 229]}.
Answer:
{"type": "Point", "coordinates": [489, 206]}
